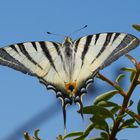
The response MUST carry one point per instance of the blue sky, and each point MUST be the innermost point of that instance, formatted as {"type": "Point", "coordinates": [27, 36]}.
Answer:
{"type": "Point", "coordinates": [24, 103]}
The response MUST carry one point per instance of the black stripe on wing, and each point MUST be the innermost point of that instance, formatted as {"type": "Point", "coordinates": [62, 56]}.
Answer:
{"type": "Point", "coordinates": [57, 47]}
{"type": "Point", "coordinates": [26, 53]}
{"type": "Point", "coordinates": [76, 45]}
{"type": "Point", "coordinates": [96, 38]}
{"type": "Point", "coordinates": [34, 45]}
{"type": "Point", "coordinates": [7, 60]}
{"type": "Point", "coordinates": [86, 47]}
{"type": "Point", "coordinates": [14, 48]}
{"type": "Point", "coordinates": [47, 53]}
{"type": "Point", "coordinates": [107, 41]}
{"type": "Point", "coordinates": [116, 36]}
{"type": "Point", "coordinates": [127, 44]}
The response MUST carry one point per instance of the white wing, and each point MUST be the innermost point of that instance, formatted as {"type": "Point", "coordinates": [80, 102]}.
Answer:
{"type": "Point", "coordinates": [38, 59]}
{"type": "Point", "coordinates": [98, 51]}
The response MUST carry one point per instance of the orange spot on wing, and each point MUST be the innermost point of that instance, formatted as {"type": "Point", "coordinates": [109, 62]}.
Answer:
{"type": "Point", "coordinates": [70, 87]}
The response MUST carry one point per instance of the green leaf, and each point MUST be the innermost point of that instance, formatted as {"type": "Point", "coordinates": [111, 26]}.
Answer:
{"type": "Point", "coordinates": [89, 129]}
{"type": "Point", "coordinates": [107, 104]}
{"type": "Point", "coordinates": [100, 123]}
{"type": "Point", "coordinates": [120, 117]}
{"type": "Point", "coordinates": [79, 138]}
{"type": "Point", "coordinates": [86, 133]}
{"type": "Point", "coordinates": [130, 126]}
{"type": "Point", "coordinates": [136, 26]}
{"type": "Point", "coordinates": [98, 110]}
{"type": "Point", "coordinates": [120, 77]}
{"type": "Point", "coordinates": [36, 134]}
{"type": "Point", "coordinates": [104, 135]}
{"type": "Point", "coordinates": [133, 126]}
{"type": "Point", "coordinates": [138, 107]}
{"type": "Point", "coordinates": [98, 139]}
{"type": "Point", "coordinates": [130, 103]}
{"type": "Point", "coordinates": [74, 134]}
{"type": "Point", "coordinates": [134, 116]}
{"type": "Point", "coordinates": [27, 137]}
{"type": "Point", "coordinates": [128, 69]}
{"type": "Point", "coordinates": [127, 124]}
{"type": "Point", "coordinates": [60, 137]}
{"type": "Point", "coordinates": [106, 96]}
{"type": "Point", "coordinates": [132, 59]}
{"type": "Point", "coordinates": [114, 109]}
{"type": "Point", "coordinates": [118, 87]}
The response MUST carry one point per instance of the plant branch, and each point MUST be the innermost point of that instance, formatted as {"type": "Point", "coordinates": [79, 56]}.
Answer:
{"type": "Point", "coordinates": [126, 99]}
{"type": "Point", "coordinates": [86, 133]}
{"type": "Point", "coordinates": [115, 85]}
{"type": "Point", "coordinates": [131, 113]}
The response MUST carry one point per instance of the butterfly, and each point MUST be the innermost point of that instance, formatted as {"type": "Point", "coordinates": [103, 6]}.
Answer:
{"type": "Point", "coordinates": [69, 67]}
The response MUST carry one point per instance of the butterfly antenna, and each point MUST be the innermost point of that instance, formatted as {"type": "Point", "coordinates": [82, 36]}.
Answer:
{"type": "Point", "coordinates": [78, 30]}
{"type": "Point", "coordinates": [55, 34]}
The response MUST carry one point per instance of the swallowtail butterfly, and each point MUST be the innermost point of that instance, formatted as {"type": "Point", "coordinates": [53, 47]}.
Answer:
{"type": "Point", "coordinates": [68, 68]}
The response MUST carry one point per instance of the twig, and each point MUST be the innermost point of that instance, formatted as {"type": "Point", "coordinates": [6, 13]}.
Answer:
{"type": "Point", "coordinates": [126, 99]}
{"type": "Point", "coordinates": [115, 85]}
{"type": "Point", "coordinates": [86, 133]}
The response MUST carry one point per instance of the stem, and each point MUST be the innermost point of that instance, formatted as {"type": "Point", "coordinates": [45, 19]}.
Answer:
{"type": "Point", "coordinates": [26, 136]}
{"type": "Point", "coordinates": [86, 133]}
{"type": "Point", "coordinates": [125, 104]}
{"type": "Point", "coordinates": [115, 85]}
{"type": "Point", "coordinates": [130, 112]}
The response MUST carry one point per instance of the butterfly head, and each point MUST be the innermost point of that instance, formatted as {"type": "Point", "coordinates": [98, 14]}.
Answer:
{"type": "Point", "coordinates": [67, 41]}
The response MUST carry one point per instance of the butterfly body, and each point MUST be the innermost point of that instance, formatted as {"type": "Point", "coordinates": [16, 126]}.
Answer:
{"type": "Point", "coordinates": [68, 68]}
{"type": "Point", "coordinates": [68, 57]}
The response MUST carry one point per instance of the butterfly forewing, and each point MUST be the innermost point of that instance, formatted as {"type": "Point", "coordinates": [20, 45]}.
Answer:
{"type": "Point", "coordinates": [104, 48]}
{"type": "Point", "coordinates": [128, 43]}
{"type": "Point", "coordinates": [29, 55]}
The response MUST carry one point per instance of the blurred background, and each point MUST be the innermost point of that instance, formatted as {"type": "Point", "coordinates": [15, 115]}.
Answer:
{"type": "Point", "coordinates": [25, 104]}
